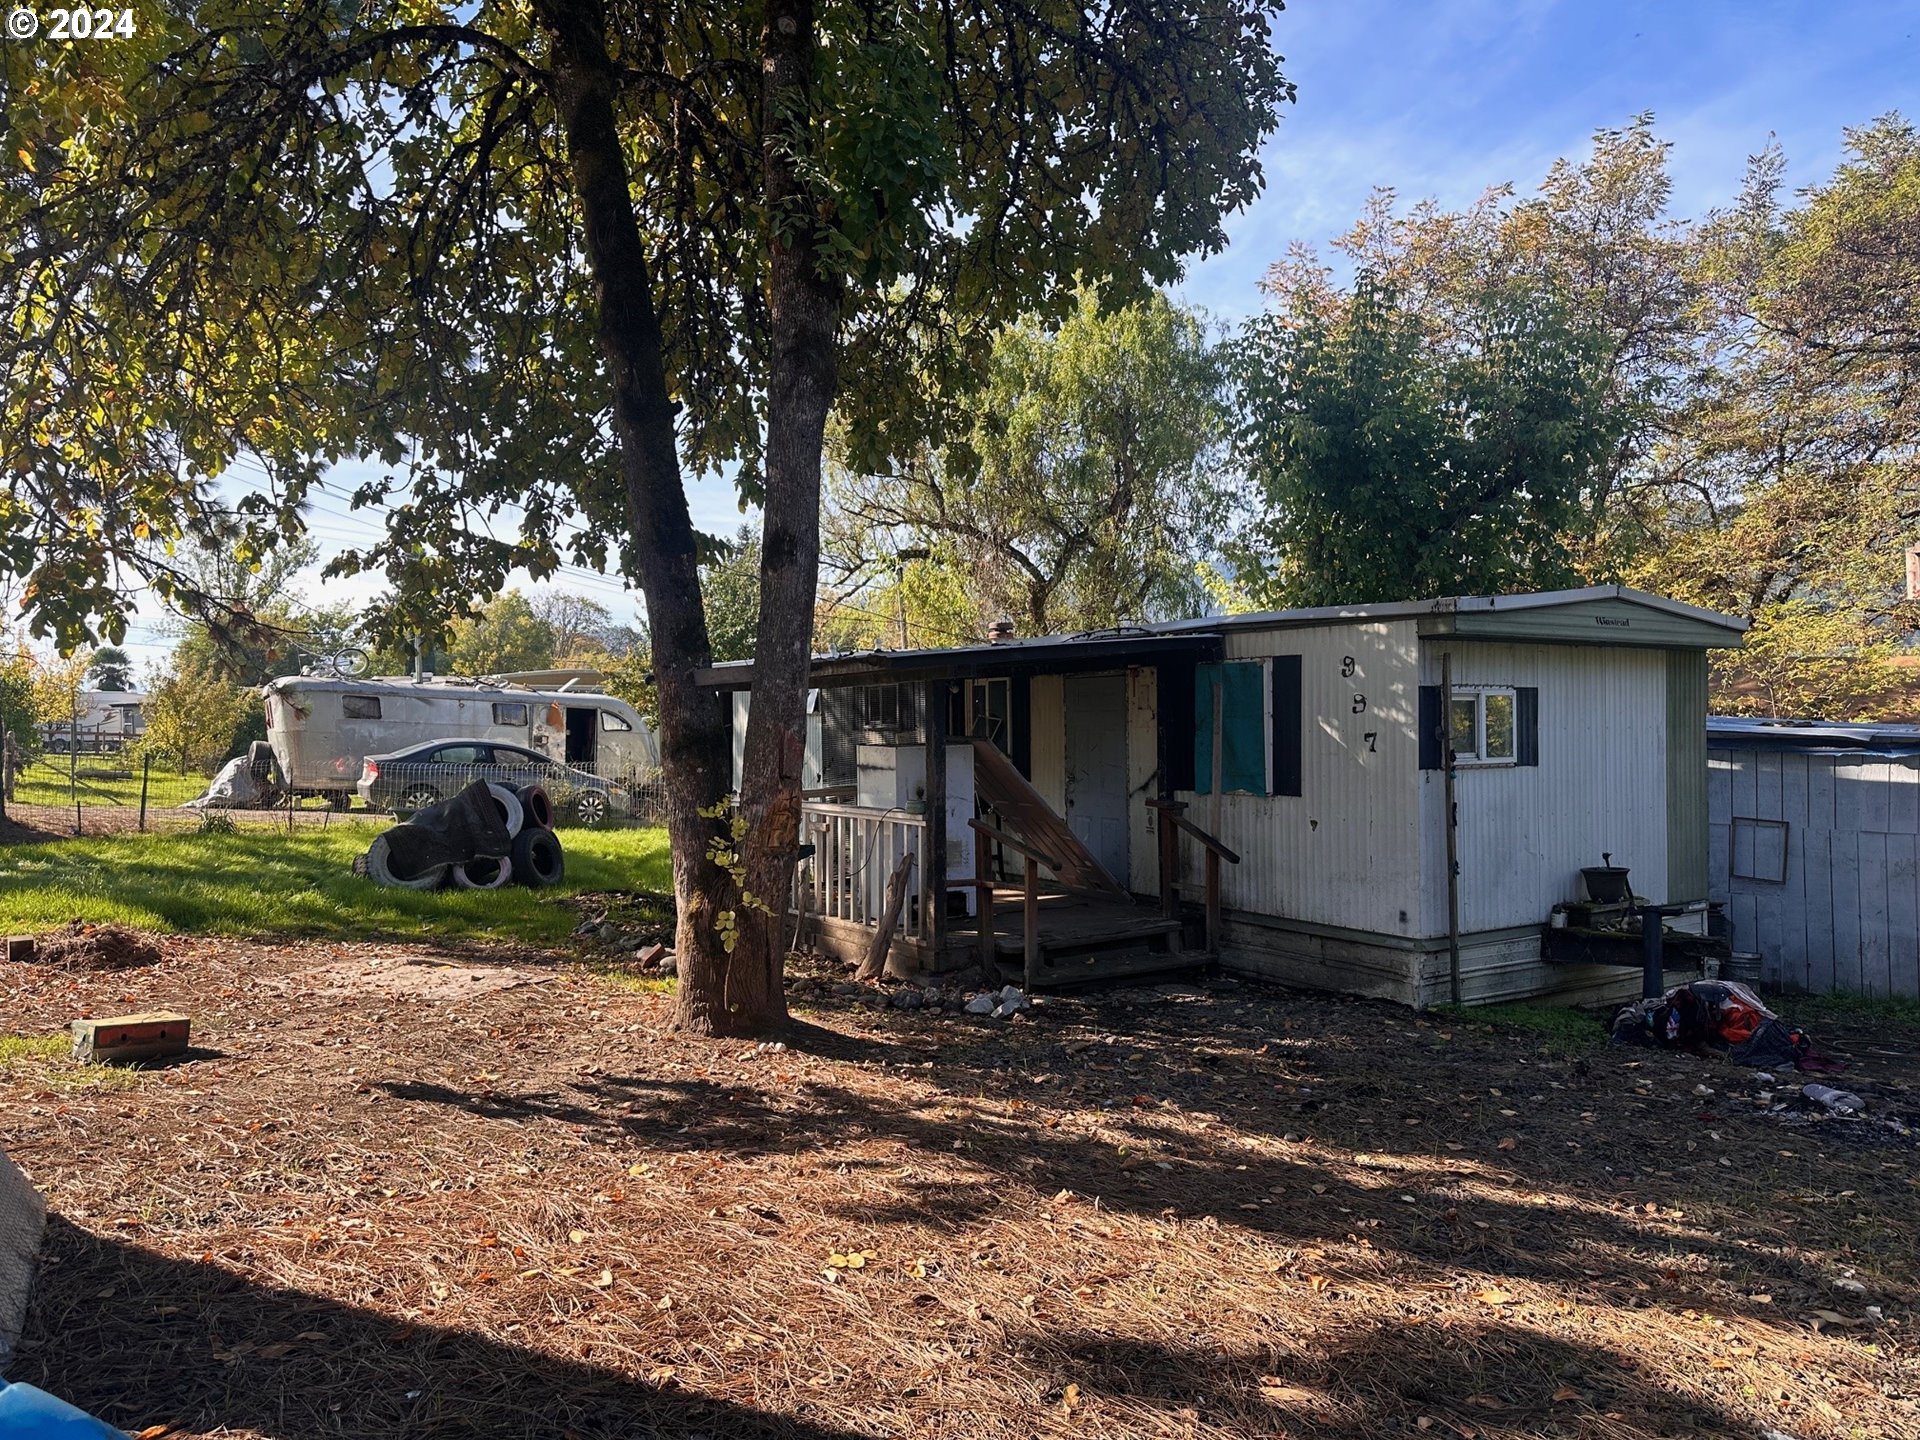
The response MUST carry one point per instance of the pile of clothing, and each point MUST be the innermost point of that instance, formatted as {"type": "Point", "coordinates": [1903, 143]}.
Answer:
{"type": "Point", "coordinates": [1719, 1013]}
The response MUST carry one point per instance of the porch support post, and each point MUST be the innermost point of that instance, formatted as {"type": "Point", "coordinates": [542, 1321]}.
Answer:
{"type": "Point", "coordinates": [983, 898]}
{"type": "Point", "coordinates": [933, 893]}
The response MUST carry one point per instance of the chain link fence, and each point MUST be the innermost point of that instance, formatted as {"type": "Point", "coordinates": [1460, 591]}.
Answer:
{"type": "Point", "coordinates": [109, 794]}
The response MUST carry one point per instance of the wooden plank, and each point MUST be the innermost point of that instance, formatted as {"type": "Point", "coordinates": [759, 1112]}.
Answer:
{"type": "Point", "coordinates": [1816, 903]}
{"type": "Point", "coordinates": [896, 897]}
{"type": "Point", "coordinates": [1903, 798]}
{"type": "Point", "coordinates": [1869, 810]}
{"type": "Point", "coordinates": [1903, 915]}
{"type": "Point", "coordinates": [1792, 958]}
{"type": "Point", "coordinates": [1875, 974]}
{"type": "Point", "coordinates": [1766, 784]}
{"type": "Point", "coordinates": [1846, 907]}
{"type": "Point", "coordinates": [1720, 767]}
{"type": "Point", "coordinates": [933, 889]}
{"type": "Point", "coordinates": [1028, 815]}
{"type": "Point", "coordinates": [1030, 922]}
{"type": "Point", "coordinates": [1819, 793]}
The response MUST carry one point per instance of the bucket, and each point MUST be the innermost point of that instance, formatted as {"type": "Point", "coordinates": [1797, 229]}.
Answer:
{"type": "Point", "coordinates": [1742, 965]}
{"type": "Point", "coordinates": [1606, 884]}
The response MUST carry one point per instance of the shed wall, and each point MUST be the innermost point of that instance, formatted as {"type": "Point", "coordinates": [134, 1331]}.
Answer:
{"type": "Point", "coordinates": [1846, 914]}
{"type": "Point", "coordinates": [1600, 786]}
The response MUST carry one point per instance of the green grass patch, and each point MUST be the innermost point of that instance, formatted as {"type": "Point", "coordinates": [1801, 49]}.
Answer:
{"type": "Point", "coordinates": [260, 882]}
{"type": "Point", "coordinates": [47, 782]}
{"type": "Point", "coordinates": [624, 978]}
{"type": "Point", "coordinates": [47, 1061]}
{"type": "Point", "coordinates": [1562, 1030]}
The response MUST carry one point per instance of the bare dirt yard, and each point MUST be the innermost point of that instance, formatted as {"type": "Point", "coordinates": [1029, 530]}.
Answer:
{"type": "Point", "coordinates": [497, 1198]}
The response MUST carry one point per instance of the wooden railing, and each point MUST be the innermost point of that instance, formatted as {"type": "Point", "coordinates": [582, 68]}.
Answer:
{"type": "Point", "coordinates": [1173, 823]}
{"type": "Point", "coordinates": [855, 849]}
{"type": "Point", "coordinates": [1032, 859]}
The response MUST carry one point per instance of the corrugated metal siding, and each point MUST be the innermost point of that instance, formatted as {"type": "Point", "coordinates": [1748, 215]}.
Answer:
{"type": "Point", "coordinates": [1847, 915]}
{"type": "Point", "coordinates": [1686, 775]}
{"type": "Point", "coordinates": [1049, 741]}
{"type": "Point", "coordinates": [1600, 786]}
{"type": "Point", "coordinates": [1346, 850]}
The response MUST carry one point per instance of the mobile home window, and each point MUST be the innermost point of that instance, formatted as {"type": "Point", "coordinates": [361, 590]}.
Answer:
{"type": "Point", "coordinates": [360, 707]}
{"type": "Point", "coordinates": [611, 721]}
{"type": "Point", "coordinates": [880, 707]}
{"type": "Point", "coordinates": [1482, 728]}
{"type": "Point", "coordinates": [509, 712]}
{"type": "Point", "coordinates": [1242, 687]}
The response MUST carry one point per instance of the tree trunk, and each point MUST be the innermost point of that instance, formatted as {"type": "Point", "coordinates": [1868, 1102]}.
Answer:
{"type": "Point", "coordinates": [803, 310]}
{"type": "Point", "coordinates": [659, 548]}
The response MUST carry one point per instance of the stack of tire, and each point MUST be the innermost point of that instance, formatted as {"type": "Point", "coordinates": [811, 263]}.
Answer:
{"type": "Point", "coordinates": [534, 855]}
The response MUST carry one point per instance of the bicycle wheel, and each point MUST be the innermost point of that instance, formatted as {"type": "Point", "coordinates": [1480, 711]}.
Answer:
{"type": "Point", "coordinates": [351, 663]}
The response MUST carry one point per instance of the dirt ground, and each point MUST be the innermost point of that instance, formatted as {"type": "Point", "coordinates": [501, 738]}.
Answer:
{"type": "Point", "coordinates": [498, 1199]}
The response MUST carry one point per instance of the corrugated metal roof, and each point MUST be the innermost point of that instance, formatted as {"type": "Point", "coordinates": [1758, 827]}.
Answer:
{"type": "Point", "coordinates": [1749, 732]}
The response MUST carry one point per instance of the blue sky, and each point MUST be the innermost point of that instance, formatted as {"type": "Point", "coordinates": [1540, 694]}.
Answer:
{"type": "Point", "coordinates": [1444, 99]}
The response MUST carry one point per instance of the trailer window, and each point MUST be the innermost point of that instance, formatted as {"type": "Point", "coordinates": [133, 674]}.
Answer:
{"type": "Point", "coordinates": [360, 707]}
{"type": "Point", "coordinates": [611, 721]}
{"type": "Point", "coordinates": [1481, 727]}
{"type": "Point", "coordinates": [1242, 689]}
{"type": "Point", "coordinates": [509, 712]}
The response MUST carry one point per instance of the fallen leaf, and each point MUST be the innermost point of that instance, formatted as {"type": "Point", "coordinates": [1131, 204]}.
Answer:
{"type": "Point", "coordinates": [1565, 1395]}
{"type": "Point", "coordinates": [153, 1432]}
{"type": "Point", "coordinates": [1508, 1143]}
{"type": "Point", "coordinates": [1281, 1393]}
{"type": "Point", "coordinates": [1070, 1399]}
{"type": "Point", "coordinates": [665, 1302]}
{"type": "Point", "coordinates": [1494, 1297]}
{"type": "Point", "coordinates": [1486, 1402]}
{"type": "Point", "coordinates": [577, 1237]}
{"type": "Point", "coordinates": [606, 1279]}
{"type": "Point", "coordinates": [1317, 1283]}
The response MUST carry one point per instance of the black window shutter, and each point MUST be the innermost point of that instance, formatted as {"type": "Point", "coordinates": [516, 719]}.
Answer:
{"type": "Point", "coordinates": [1526, 725]}
{"type": "Point", "coordinates": [1430, 756]}
{"type": "Point", "coordinates": [1020, 723]}
{"type": "Point", "coordinates": [1288, 702]}
{"type": "Point", "coordinates": [1176, 696]}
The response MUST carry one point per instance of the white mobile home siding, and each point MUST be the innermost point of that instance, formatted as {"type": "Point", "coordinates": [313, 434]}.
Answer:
{"type": "Point", "coordinates": [1600, 787]}
{"type": "Point", "coordinates": [1345, 851]}
{"type": "Point", "coordinates": [1846, 914]}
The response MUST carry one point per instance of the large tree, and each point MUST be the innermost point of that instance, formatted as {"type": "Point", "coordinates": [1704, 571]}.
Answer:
{"type": "Point", "coordinates": [1391, 465]}
{"type": "Point", "coordinates": [556, 257]}
{"type": "Point", "coordinates": [1080, 488]}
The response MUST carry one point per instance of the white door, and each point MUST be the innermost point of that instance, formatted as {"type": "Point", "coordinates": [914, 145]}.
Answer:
{"type": "Point", "coordinates": [1096, 735]}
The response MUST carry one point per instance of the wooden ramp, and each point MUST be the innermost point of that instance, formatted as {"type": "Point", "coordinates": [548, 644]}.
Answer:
{"type": "Point", "coordinates": [1026, 813]}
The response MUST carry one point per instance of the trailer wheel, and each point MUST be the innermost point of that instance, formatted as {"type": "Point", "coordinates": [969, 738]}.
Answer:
{"type": "Point", "coordinates": [484, 872]}
{"type": "Point", "coordinates": [380, 871]}
{"type": "Point", "coordinates": [262, 764]}
{"type": "Point", "coordinates": [512, 812]}
{"type": "Point", "coordinates": [538, 859]}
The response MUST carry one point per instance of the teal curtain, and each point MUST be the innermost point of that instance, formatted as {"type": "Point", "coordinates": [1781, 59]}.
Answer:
{"type": "Point", "coordinates": [1243, 728]}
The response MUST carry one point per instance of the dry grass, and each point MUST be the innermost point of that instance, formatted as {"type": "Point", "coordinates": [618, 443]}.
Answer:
{"type": "Point", "coordinates": [1218, 1213]}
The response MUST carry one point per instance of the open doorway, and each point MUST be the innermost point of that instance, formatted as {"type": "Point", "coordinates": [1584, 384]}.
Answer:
{"type": "Point", "coordinates": [583, 734]}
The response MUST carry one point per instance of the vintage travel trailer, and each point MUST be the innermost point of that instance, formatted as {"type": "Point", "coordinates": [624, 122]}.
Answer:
{"type": "Point", "coordinates": [322, 728]}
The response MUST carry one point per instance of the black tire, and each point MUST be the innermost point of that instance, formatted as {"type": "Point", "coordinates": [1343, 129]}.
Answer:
{"type": "Point", "coordinates": [538, 859]}
{"type": "Point", "coordinates": [538, 805]}
{"type": "Point", "coordinates": [340, 799]}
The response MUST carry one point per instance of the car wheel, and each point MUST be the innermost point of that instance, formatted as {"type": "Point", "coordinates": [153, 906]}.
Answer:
{"type": "Point", "coordinates": [591, 808]}
{"type": "Point", "coordinates": [418, 797]}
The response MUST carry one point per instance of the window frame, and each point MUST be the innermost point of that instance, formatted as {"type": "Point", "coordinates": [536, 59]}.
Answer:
{"type": "Point", "coordinates": [373, 700]}
{"type": "Point", "coordinates": [614, 723]}
{"type": "Point", "coordinates": [526, 713]}
{"type": "Point", "coordinates": [1479, 759]}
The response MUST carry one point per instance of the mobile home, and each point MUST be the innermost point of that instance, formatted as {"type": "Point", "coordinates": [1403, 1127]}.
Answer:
{"type": "Point", "coordinates": [1284, 775]}
{"type": "Point", "coordinates": [322, 729]}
